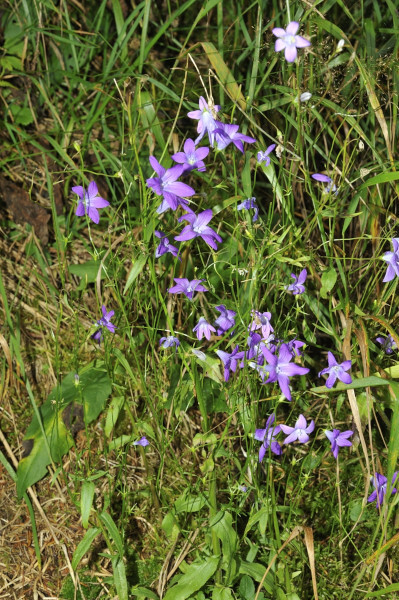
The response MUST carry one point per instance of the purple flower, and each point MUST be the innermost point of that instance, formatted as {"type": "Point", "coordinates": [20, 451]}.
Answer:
{"type": "Point", "coordinates": [191, 158]}
{"type": "Point", "coordinates": [225, 133]}
{"type": "Point", "coordinates": [279, 368]}
{"type": "Point", "coordinates": [186, 287]}
{"type": "Point", "coordinates": [247, 204]}
{"type": "Point", "coordinates": [264, 156]}
{"type": "Point", "coordinates": [380, 484]}
{"type": "Point", "coordinates": [256, 343]}
{"type": "Point", "coordinates": [206, 116]}
{"type": "Point", "coordinates": [293, 346]}
{"type": "Point", "coordinates": [89, 201]}
{"type": "Point", "coordinates": [288, 40]}
{"type": "Point", "coordinates": [142, 442]}
{"type": "Point", "coordinates": [169, 341]}
{"type": "Point", "coordinates": [297, 287]}
{"type": "Point", "coordinates": [330, 187]}
{"type": "Point", "coordinates": [167, 186]}
{"type": "Point", "coordinates": [392, 258]}
{"type": "Point", "coordinates": [388, 344]}
{"type": "Point", "coordinates": [267, 436]}
{"type": "Point", "coordinates": [230, 361]}
{"type": "Point", "coordinates": [198, 227]}
{"type": "Point", "coordinates": [299, 432]}
{"type": "Point", "coordinates": [338, 439]}
{"type": "Point", "coordinates": [261, 321]}
{"type": "Point", "coordinates": [165, 246]}
{"type": "Point", "coordinates": [336, 371]}
{"type": "Point", "coordinates": [105, 321]}
{"type": "Point", "coordinates": [226, 320]}
{"type": "Point", "coordinates": [203, 328]}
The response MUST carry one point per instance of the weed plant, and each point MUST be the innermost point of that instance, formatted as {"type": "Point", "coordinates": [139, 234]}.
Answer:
{"type": "Point", "coordinates": [214, 318]}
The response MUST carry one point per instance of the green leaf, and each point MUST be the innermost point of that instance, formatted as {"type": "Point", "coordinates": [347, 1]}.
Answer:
{"type": "Point", "coordinates": [84, 546]}
{"type": "Point", "coordinates": [86, 501]}
{"type": "Point", "coordinates": [87, 272]}
{"type": "Point", "coordinates": [247, 588]}
{"type": "Point", "coordinates": [138, 266]}
{"type": "Point", "coordinates": [328, 280]}
{"type": "Point", "coordinates": [122, 440]}
{"type": "Point", "coordinates": [222, 594]}
{"type": "Point", "coordinates": [112, 530]}
{"type": "Point", "coordinates": [196, 576]}
{"type": "Point", "coordinates": [188, 503]}
{"type": "Point", "coordinates": [390, 588]}
{"type": "Point", "coordinates": [221, 524]}
{"type": "Point", "coordinates": [118, 567]}
{"type": "Point", "coordinates": [67, 409]}
{"type": "Point", "coordinates": [141, 592]}
{"type": "Point", "coordinates": [257, 571]}
{"type": "Point", "coordinates": [356, 384]}
{"type": "Point", "coordinates": [113, 411]}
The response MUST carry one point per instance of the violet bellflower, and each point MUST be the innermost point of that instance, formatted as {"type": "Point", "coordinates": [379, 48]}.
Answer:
{"type": "Point", "coordinates": [379, 482]}
{"type": "Point", "coordinates": [203, 328]}
{"type": "Point", "coordinates": [198, 227]}
{"type": "Point", "coordinates": [336, 371]}
{"type": "Point", "coordinates": [263, 157]}
{"type": "Point", "coordinates": [230, 361]}
{"type": "Point", "coordinates": [288, 41]}
{"type": "Point", "coordinates": [256, 343]}
{"type": "Point", "coordinates": [165, 246]}
{"type": "Point", "coordinates": [261, 321]}
{"type": "Point", "coordinates": [225, 133]}
{"type": "Point", "coordinates": [247, 205]}
{"type": "Point", "coordinates": [143, 442]}
{"type": "Point", "coordinates": [89, 201]}
{"type": "Point", "coordinates": [187, 287]}
{"type": "Point", "coordinates": [191, 158]}
{"type": "Point", "coordinates": [267, 437]}
{"type": "Point", "coordinates": [330, 187]}
{"type": "Point", "coordinates": [300, 432]}
{"type": "Point", "coordinates": [206, 116]}
{"type": "Point", "coordinates": [169, 342]}
{"type": "Point", "coordinates": [294, 345]}
{"type": "Point", "coordinates": [388, 344]}
{"type": "Point", "coordinates": [167, 186]}
{"type": "Point", "coordinates": [279, 368]}
{"type": "Point", "coordinates": [338, 439]}
{"type": "Point", "coordinates": [297, 287]}
{"type": "Point", "coordinates": [105, 321]}
{"type": "Point", "coordinates": [392, 258]}
{"type": "Point", "coordinates": [226, 320]}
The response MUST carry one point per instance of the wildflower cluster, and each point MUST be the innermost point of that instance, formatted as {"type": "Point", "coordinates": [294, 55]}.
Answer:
{"type": "Point", "coordinates": [272, 359]}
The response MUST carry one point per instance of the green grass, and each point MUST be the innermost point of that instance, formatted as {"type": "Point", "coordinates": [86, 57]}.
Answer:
{"type": "Point", "coordinates": [89, 92]}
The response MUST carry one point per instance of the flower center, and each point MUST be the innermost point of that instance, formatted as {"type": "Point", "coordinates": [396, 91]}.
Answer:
{"type": "Point", "coordinates": [290, 40]}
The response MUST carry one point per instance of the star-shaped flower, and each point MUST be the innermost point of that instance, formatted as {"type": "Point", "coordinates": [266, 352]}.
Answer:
{"type": "Point", "coordinates": [380, 484]}
{"type": "Point", "coordinates": [203, 328]}
{"type": "Point", "coordinates": [300, 432]}
{"type": "Point", "coordinates": [336, 371]}
{"type": "Point", "coordinates": [288, 40]}
{"type": "Point", "coordinates": [338, 439]}
{"type": "Point", "coordinates": [187, 287]}
{"type": "Point", "coordinates": [279, 368]}
{"type": "Point", "coordinates": [167, 186]}
{"type": "Point", "coordinates": [392, 258]}
{"type": "Point", "coordinates": [264, 156]}
{"type": "Point", "coordinates": [267, 436]}
{"type": "Point", "coordinates": [89, 201]}
{"type": "Point", "coordinates": [297, 287]}
{"type": "Point", "coordinates": [192, 157]}
{"type": "Point", "coordinates": [198, 227]}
